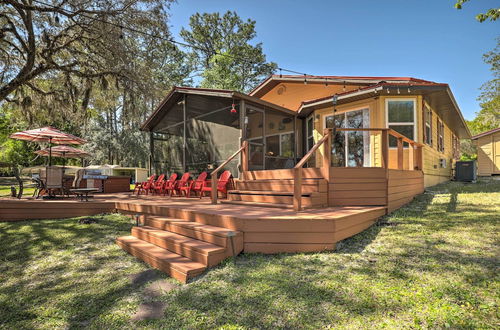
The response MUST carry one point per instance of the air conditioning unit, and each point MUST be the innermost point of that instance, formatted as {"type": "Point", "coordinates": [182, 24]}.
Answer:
{"type": "Point", "coordinates": [465, 171]}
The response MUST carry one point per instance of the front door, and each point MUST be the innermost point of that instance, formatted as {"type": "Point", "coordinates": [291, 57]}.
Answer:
{"type": "Point", "coordinates": [351, 148]}
{"type": "Point", "coordinates": [255, 133]}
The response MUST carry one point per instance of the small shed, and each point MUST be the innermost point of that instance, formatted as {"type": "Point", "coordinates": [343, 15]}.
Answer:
{"type": "Point", "coordinates": [488, 152]}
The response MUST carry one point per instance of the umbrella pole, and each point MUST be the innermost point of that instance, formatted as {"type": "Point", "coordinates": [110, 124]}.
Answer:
{"type": "Point", "coordinates": [50, 151]}
{"type": "Point", "coordinates": [64, 160]}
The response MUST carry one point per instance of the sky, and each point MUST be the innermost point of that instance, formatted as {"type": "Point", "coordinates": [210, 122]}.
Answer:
{"type": "Point", "coordinates": [427, 39]}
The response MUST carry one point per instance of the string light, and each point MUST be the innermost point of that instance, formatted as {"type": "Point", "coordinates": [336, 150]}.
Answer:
{"type": "Point", "coordinates": [388, 91]}
{"type": "Point", "coordinates": [344, 87]}
{"type": "Point", "coordinates": [326, 82]}
{"type": "Point", "coordinates": [305, 79]}
{"type": "Point", "coordinates": [399, 91]}
{"type": "Point", "coordinates": [409, 89]}
{"type": "Point", "coordinates": [281, 76]}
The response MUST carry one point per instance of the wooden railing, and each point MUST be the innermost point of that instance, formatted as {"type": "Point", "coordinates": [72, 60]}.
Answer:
{"type": "Point", "coordinates": [325, 169]}
{"type": "Point", "coordinates": [414, 157]}
{"type": "Point", "coordinates": [244, 167]}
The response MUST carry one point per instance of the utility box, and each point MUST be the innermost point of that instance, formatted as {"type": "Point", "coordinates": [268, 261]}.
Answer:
{"type": "Point", "coordinates": [465, 171]}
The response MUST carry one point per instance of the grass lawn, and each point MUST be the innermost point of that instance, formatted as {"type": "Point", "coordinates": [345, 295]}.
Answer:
{"type": "Point", "coordinates": [431, 264]}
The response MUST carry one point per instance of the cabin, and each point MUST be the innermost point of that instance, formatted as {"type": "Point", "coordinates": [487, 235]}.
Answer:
{"type": "Point", "coordinates": [314, 160]}
{"type": "Point", "coordinates": [488, 152]}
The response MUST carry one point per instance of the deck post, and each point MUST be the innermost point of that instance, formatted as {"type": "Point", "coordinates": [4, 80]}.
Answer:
{"type": "Point", "coordinates": [400, 153]}
{"type": "Point", "coordinates": [214, 193]}
{"type": "Point", "coordinates": [327, 154]}
{"type": "Point", "coordinates": [419, 160]}
{"type": "Point", "coordinates": [151, 152]}
{"type": "Point", "coordinates": [297, 189]}
{"type": "Point", "coordinates": [385, 149]}
{"type": "Point", "coordinates": [184, 135]}
{"type": "Point", "coordinates": [411, 155]}
{"type": "Point", "coordinates": [244, 157]}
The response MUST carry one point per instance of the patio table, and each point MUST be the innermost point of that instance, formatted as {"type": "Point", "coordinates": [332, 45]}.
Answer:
{"type": "Point", "coordinates": [84, 192]}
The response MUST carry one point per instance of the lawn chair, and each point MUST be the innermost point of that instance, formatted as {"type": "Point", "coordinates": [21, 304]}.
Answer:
{"type": "Point", "coordinates": [224, 180]}
{"type": "Point", "coordinates": [140, 185]}
{"type": "Point", "coordinates": [183, 182]}
{"type": "Point", "coordinates": [194, 185]}
{"type": "Point", "coordinates": [168, 185]}
{"type": "Point", "coordinates": [156, 186]}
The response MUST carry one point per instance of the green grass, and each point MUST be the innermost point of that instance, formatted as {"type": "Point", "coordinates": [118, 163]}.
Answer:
{"type": "Point", "coordinates": [432, 264]}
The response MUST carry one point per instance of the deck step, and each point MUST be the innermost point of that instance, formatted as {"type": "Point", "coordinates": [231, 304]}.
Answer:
{"type": "Point", "coordinates": [258, 204]}
{"type": "Point", "coordinates": [285, 185]}
{"type": "Point", "coordinates": [200, 251]}
{"type": "Point", "coordinates": [269, 197]}
{"type": "Point", "coordinates": [207, 233]}
{"type": "Point", "coordinates": [175, 265]}
{"type": "Point", "coordinates": [267, 193]}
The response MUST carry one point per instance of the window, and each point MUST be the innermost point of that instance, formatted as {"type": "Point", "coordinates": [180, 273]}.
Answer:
{"type": "Point", "coordinates": [401, 118]}
{"type": "Point", "coordinates": [280, 145]}
{"type": "Point", "coordinates": [310, 133]}
{"type": "Point", "coordinates": [440, 130]}
{"type": "Point", "coordinates": [428, 126]}
{"type": "Point", "coordinates": [351, 148]}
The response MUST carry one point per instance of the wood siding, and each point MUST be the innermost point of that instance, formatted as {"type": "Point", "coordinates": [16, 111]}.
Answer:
{"type": "Point", "coordinates": [488, 154]}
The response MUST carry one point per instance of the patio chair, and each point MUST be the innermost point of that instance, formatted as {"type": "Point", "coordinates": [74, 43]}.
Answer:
{"type": "Point", "coordinates": [140, 185]}
{"type": "Point", "coordinates": [39, 187]}
{"type": "Point", "coordinates": [222, 184]}
{"type": "Point", "coordinates": [156, 185]}
{"type": "Point", "coordinates": [168, 185]}
{"type": "Point", "coordinates": [54, 180]}
{"type": "Point", "coordinates": [183, 182]}
{"type": "Point", "coordinates": [194, 186]}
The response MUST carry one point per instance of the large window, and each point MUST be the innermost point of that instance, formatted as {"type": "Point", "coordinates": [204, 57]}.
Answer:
{"type": "Point", "coordinates": [428, 126]}
{"type": "Point", "coordinates": [401, 118]}
{"type": "Point", "coordinates": [351, 148]}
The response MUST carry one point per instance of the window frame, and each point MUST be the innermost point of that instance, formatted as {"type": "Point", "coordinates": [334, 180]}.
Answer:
{"type": "Point", "coordinates": [311, 118]}
{"type": "Point", "coordinates": [440, 135]}
{"type": "Point", "coordinates": [428, 115]}
{"type": "Point", "coordinates": [279, 135]}
{"type": "Point", "coordinates": [414, 123]}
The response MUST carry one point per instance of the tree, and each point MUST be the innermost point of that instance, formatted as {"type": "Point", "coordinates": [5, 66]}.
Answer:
{"type": "Point", "coordinates": [489, 116]}
{"type": "Point", "coordinates": [223, 52]}
{"type": "Point", "coordinates": [491, 14]}
{"type": "Point", "coordinates": [70, 64]}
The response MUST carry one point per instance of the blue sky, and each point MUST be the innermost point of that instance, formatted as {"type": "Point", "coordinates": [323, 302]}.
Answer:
{"type": "Point", "coordinates": [426, 39]}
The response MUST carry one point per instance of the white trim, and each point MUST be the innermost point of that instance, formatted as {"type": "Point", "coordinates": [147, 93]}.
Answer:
{"type": "Point", "coordinates": [414, 123]}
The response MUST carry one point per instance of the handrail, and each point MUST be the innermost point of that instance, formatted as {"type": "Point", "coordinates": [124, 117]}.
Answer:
{"type": "Point", "coordinates": [213, 174]}
{"type": "Point", "coordinates": [297, 177]}
{"type": "Point", "coordinates": [414, 157]}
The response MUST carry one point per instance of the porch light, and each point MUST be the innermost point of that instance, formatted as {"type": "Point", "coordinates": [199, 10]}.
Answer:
{"type": "Point", "coordinates": [335, 99]}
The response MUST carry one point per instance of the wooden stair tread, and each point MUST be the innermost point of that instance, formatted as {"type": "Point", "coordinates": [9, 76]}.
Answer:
{"type": "Point", "coordinates": [175, 261]}
{"type": "Point", "coordinates": [214, 230]}
{"type": "Point", "coordinates": [258, 204]}
{"type": "Point", "coordinates": [267, 192]}
{"type": "Point", "coordinates": [191, 243]}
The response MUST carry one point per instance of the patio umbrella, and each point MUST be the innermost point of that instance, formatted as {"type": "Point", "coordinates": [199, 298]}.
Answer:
{"type": "Point", "coordinates": [50, 135]}
{"type": "Point", "coordinates": [63, 152]}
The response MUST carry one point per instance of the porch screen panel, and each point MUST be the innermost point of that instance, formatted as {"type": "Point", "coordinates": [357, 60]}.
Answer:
{"type": "Point", "coordinates": [168, 141]}
{"type": "Point", "coordinates": [212, 136]}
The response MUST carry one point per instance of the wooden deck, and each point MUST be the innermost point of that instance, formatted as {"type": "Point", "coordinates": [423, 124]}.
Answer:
{"type": "Point", "coordinates": [266, 229]}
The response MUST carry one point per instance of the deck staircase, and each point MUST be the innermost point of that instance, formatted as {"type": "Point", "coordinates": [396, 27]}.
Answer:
{"type": "Point", "coordinates": [278, 193]}
{"type": "Point", "coordinates": [181, 248]}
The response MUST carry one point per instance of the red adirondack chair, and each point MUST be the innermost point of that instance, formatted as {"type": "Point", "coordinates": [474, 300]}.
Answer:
{"type": "Point", "coordinates": [140, 185]}
{"type": "Point", "coordinates": [168, 185]}
{"type": "Point", "coordinates": [183, 182]}
{"type": "Point", "coordinates": [224, 180]}
{"type": "Point", "coordinates": [194, 185]}
{"type": "Point", "coordinates": [156, 186]}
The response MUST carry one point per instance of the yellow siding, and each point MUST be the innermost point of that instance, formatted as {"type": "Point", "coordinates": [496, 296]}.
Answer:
{"type": "Point", "coordinates": [294, 93]}
{"type": "Point", "coordinates": [434, 174]}
{"type": "Point", "coordinates": [488, 154]}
